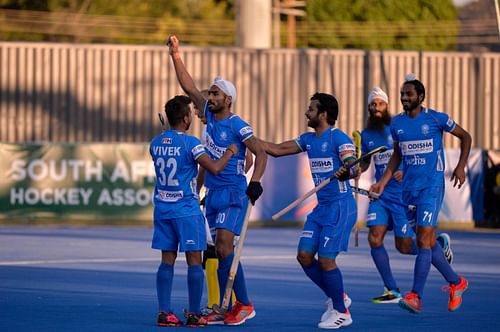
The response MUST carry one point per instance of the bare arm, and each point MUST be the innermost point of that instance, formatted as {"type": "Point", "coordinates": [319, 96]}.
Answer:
{"type": "Point", "coordinates": [184, 78]}
{"type": "Point", "coordinates": [200, 180]}
{"type": "Point", "coordinates": [216, 166]}
{"type": "Point", "coordinates": [254, 145]}
{"type": "Point", "coordinates": [458, 176]}
{"type": "Point", "coordinates": [392, 167]}
{"type": "Point", "coordinates": [282, 149]}
{"type": "Point", "coordinates": [248, 161]}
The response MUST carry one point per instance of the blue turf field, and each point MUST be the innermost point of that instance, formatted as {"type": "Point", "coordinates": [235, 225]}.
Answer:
{"type": "Point", "coordinates": [103, 279]}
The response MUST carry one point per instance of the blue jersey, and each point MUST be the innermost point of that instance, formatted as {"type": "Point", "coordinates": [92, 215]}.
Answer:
{"type": "Point", "coordinates": [220, 134]}
{"type": "Point", "coordinates": [420, 142]}
{"type": "Point", "coordinates": [372, 139]}
{"type": "Point", "coordinates": [174, 155]}
{"type": "Point", "coordinates": [327, 153]}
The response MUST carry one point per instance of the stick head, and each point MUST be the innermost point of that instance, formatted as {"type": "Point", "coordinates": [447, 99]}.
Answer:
{"type": "Point", "coordinates": [218, 309]}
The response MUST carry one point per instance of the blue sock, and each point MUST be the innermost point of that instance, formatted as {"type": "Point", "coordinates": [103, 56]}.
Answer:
{"type": "Point", "coordinates": [164, 279]}
{"type": "Point", "coordinates": [381, 260]}
{"type": "Point", "coordinates": [196, 280]}
{"type": "Point", "coordinates": [422, 268]}
{"type": "Point", "coordinates": [315, 273]}
{"type": "Point", "coordinates": [239, 286]}
{"type": "Point", "coordinates": [442, 265]}
{"type": "Point", "coordinates": [414, 247]}
{"type": "Point", "coordinates": [334, 286]}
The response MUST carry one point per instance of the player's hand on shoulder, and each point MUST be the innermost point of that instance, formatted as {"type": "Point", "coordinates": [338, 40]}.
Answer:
{"type": "Point", "coordinates": [254, 190]}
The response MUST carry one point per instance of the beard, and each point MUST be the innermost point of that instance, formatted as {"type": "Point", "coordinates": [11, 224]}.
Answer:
{"type": "Point", "coordinates": [313, 123]}
{"type": "Point", "coordinates": [214, 109]}
{"type": "Point", "coordinates": [411, 106]}
{"type": "Point", "coordinates": [378, 123]}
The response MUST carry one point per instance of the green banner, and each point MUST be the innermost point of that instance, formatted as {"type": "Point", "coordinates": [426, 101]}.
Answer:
{"type": "Point", "coordinates": [76, 182]}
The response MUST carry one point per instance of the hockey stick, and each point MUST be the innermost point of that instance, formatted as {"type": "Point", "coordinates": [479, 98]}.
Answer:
{"type": "Point", "coordinates": [162, 120]}
{"type": "Point", "coordinates": [323, 184]}
{"type": "Point", "coordinates": [376, 196]}
{"type": "Point", "coordinates": [221, 309]}
{"type": "Point", "coordinates": [357, 144]}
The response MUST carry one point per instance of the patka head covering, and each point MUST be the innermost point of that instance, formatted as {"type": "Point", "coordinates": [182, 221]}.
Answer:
{"type": "Point", "coordinates": [410, 77]}
{"type": "Point", "coordinates": [378, 93]}
{"type": "Point", "coordinates": [227, 87]}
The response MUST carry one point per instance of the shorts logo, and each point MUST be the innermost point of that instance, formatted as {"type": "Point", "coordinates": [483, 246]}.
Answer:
{"type": "Point", "coordinates": [190, 242]}
{"type": "Point", "coordinates": [307, 234]}
{"type": "Point", "coordinates": [371, 216]}
{"type": "Point", "coordinates": [410, 148]}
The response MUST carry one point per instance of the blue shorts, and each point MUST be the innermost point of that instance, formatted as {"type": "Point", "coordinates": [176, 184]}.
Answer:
{"type": "Point", "coordinates": [428, 202]}
{"type": "Point", "coordinates": [328, 228]}
{"type": "Point", "coordinates": [226, 209]}
{"type": "Point", "coordinates": [391, 215]}
{"type": "Point", "coordinates": [186, 233]}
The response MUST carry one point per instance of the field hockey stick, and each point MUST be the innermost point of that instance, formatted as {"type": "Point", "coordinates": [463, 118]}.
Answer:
{"type": "Point", "coordinates": [234, 266]}
{"type": "Point", "coordinates": [376, 196]}
{"type": "Point", "coordinates": [323, 184]}
{"type": "Point", "coordinates": [162, 121]}
{"type": "Point", "coordinates": [357, 144]}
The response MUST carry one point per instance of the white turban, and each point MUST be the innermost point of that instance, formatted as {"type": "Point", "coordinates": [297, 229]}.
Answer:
{"type": "Point", "coordinates": [227, 87]}
{"type": "Point", "coordinates": [377, 93]}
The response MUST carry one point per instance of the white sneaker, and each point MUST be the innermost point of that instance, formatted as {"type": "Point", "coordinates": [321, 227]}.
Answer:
{"type": "Point", "coordinates": [336, 320]}
{"type": "Point", "coordinates": [329, 306]}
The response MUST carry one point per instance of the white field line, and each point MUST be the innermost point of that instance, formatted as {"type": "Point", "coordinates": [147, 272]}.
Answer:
{"type": "Point", "coordinates": [125, 260]}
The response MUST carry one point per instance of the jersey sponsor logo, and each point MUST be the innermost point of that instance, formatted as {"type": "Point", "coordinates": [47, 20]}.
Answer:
{"type": "Point", "coordinates": [246, 130]}
{"type": "Point", "coordinates": [371, 216]}
{"type": "Point", "coordinates": [214, 149]}
{"type": "Point", "coordinates": [382, 158]}
{"type": "Point", "coordinates": [167, 150]}
{"type": "Point", "coordinates": [321, 165]}
{"type": "Point", "coordinates": [415, 161]}
{"type": "Point", "coordinates": [170, 196]}
{"type": "Point", "coordinates": [410, 148]}
{"type": "Point", "coordinates": [307, 234]}
{"type": "Point", "coordinates": [198, 149]}
{"type": "Point", "coordinates": [166, 140]}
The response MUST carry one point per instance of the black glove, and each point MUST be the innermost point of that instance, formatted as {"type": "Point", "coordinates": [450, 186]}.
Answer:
{"type": "Point", "coordinates": [203, 200]}
{"type": "Point", "coordinates": [254, 190]}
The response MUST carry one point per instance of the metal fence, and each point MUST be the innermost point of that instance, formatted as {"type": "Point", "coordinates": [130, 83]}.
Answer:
{"type": "Point", "coordinates": [112, 93]}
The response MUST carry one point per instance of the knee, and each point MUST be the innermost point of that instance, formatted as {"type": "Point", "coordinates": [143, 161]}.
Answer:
{"type": "Point", "coordinates": [403, 248]}
{"type": "Point", "coordinates": [375, 239]}
{"type": "Point", "coordinates": [327, 264]}
{"type": "Point", "coordinates": [305, 259]}
{"type": "Point", "coordinates": [222, 250]}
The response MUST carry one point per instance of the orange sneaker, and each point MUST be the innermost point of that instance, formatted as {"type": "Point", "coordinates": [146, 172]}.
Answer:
{"type": "Point", "coordinates": [168, 319]}
{"type": "Point", "coordinates": [240, 314]}
{"type": "Point", "coordinates": [456, 293]}
{"type": "Point", "coordinates": [411, 302]}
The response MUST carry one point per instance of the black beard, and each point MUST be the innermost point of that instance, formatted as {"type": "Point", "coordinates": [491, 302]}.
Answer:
{"type": "Point", "coordinates": [376, 123]}
{"type": "Point", "coordinates": [411, 107]}
{"type": "Point", "coordinates": [211, 109]}
{"type": "Point", "coordinates": [313, 123]}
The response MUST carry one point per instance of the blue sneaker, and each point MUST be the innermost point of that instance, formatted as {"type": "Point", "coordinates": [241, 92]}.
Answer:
{"type": "Point", "coordinates": [445, 242]}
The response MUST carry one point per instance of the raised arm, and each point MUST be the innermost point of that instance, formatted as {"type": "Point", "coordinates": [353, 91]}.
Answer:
{"type": "Point", "coordinates": [216, 166]}
{"type": "Point", "coordinates": [458, 176]}
{"type": "Point", "coordinates": [184, 78]}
